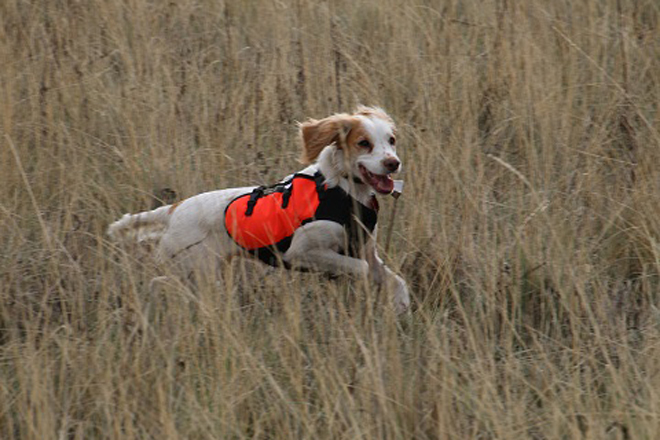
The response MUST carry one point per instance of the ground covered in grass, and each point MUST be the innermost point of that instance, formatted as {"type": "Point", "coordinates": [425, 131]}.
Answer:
{"type": "Point", "coordinates": [528, 231]}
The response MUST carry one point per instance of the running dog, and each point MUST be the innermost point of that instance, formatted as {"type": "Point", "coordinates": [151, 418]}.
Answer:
{"type": "Point", "coordinates": [322, 218]}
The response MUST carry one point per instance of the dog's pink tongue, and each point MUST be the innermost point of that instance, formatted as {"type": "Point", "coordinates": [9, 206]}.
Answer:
{"type": "Point", "coordinates": [383, 184]}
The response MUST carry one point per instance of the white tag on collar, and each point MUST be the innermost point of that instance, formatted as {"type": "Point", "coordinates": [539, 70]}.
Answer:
{"type": "Point", "coordinates": [398, 189]}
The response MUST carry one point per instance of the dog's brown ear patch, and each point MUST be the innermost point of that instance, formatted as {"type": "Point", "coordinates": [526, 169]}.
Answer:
{"type": "Point", "coordinates": [308, 135]}
{"type": "Point", "coordinates": [318, 134]}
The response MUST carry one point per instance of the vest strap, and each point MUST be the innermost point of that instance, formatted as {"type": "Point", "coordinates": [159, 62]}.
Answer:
{"type": "Point", "coordinates": [254, 197]}
{"type": "Point", "coordinates": [319, 179]}
{"type": "Point", "coordinates": [286, 195]}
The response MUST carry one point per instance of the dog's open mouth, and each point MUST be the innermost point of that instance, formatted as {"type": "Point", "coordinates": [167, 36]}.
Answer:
{"type": "Point", "coordinates": [382, 183]}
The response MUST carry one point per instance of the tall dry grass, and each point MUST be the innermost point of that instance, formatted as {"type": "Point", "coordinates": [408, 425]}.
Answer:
{"type": "Point", "coordinates": [529, 230]}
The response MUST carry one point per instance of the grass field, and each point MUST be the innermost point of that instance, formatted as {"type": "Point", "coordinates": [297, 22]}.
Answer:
{"type": "Point", "coordinates": [529, 231]}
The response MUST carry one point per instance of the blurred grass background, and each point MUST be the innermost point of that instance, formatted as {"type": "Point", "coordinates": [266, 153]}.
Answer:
{"type": "Point", "coordinates": [528, 232]}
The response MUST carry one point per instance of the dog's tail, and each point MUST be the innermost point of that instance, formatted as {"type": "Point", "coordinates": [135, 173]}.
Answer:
{"type": "Point", "coordinates": [148, 225]}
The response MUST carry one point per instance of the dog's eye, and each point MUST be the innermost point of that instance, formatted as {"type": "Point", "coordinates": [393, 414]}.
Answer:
{"type": "Point", "coordinates": [392, 140]}
{"type": "Point", "coordinates": [364, 143]}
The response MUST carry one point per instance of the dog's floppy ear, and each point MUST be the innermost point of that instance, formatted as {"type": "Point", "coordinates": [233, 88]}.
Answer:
{"type": "Point", "coordinates": [318, 134]}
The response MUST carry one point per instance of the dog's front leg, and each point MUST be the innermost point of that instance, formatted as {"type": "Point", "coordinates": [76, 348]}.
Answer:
{"type": "Point", "coordinates": [316, 245]}
{"type": "Point", "coordinates": [325, 260]}
{"type": "Point", "coordinates": [384, 276]}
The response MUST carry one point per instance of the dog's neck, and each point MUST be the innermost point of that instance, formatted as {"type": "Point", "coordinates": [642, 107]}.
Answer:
{"type": "Point", "coordinates": [331, 163]}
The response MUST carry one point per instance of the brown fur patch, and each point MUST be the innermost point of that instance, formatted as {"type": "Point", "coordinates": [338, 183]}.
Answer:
{"type": "Point", "coordinates": [318, 134]}
{"type": "Point", "coordinates": [373, 112]}
{"type": "Point", "coordinates": [174, 206]}
{"type": "Point", "coordinates": [357, 134]}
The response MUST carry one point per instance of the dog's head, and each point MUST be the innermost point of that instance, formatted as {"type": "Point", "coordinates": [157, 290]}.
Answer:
{"type": "Point", "coordinates": [366, 141]}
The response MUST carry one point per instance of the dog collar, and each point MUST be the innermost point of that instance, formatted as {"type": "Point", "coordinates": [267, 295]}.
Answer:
{"type": "Point", "coordinates": [373, 203]}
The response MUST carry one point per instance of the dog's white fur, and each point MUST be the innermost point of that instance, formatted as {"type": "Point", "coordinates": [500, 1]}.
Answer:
{"type": "Point", "coordinates": [192, 234]}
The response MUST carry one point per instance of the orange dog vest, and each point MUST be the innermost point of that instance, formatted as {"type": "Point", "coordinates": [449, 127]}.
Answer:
{"type": "Point", "coordinates": [263, 222]}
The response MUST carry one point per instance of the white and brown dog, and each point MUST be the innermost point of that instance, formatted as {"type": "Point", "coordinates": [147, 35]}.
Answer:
{"type": "Point", "coordinates": [321, 218]}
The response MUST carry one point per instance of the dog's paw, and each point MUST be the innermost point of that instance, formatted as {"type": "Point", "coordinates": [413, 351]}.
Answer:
{"type": "Point", "coordinates": [401, 296]}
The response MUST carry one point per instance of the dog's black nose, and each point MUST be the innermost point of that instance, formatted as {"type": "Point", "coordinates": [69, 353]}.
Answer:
{"type": "Point", "coordinates": [391, 164]}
